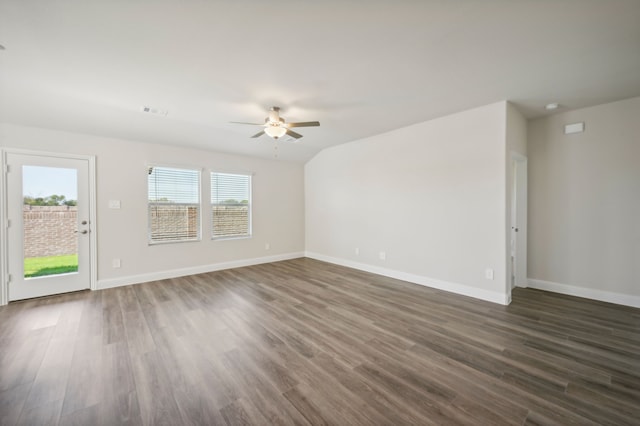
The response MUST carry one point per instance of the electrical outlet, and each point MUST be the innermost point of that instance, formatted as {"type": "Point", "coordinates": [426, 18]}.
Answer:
{"type": "Point", "coordinates": [488, 273]}
{"type": "Point", "coordinates": [267, 246]}
{"type": "Point", "coordinates": [357, 251]}
{"type": "Point", "coordinates": [115, 263]}
{"type": "Point", "coordinates": [383, 255]}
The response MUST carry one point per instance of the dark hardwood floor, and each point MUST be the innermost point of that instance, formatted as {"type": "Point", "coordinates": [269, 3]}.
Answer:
{"type": "Point", "coordinates": [304, 342]}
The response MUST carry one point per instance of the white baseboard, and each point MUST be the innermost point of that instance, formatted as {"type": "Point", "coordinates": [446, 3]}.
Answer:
{"type": "Point", "coordinates": [174, 273]}
{"type": "Point", "coordinates": [465, 290]}
{"type": "Point", "coordinates": [587, 293]}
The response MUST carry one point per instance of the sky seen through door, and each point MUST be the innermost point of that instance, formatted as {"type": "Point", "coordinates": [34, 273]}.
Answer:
{"type": "Point", "coordinates": [40, 181]}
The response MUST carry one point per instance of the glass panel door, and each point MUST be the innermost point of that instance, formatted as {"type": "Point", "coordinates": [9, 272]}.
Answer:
{"type": "Point", "coordinates": [48, 235]}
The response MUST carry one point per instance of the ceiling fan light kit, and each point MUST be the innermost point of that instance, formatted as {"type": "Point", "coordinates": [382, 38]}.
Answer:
{"type": "Point", "coordinates": [275, 131]}
{"type": "Point", "coordinates": [276, 127]}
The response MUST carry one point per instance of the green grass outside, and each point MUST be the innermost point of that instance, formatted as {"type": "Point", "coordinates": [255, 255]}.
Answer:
{"type": "Point", "coordinates": [51, 265]}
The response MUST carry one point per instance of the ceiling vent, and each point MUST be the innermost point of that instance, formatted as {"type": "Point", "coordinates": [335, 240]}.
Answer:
{"type": "Point", "coordinates": [154, 111]}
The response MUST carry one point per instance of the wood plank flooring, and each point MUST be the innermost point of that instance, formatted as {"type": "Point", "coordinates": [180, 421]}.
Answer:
{"type": "Point", "coordinates": [304, 342]}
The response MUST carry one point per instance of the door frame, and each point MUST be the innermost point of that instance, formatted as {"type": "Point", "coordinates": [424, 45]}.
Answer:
{"type": "Point", "coordinates": [519, 188]}
{"type": "Point", "coordinates": [4, 244]}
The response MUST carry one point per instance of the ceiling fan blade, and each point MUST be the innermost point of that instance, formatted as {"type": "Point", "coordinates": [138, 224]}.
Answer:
{"type": "Point", "coordinates": [294, 134]}
{"type": "Point", "coordinates": [257, 135]}
{"type": "Point", "coordinates": [242, 122]}
{"type": "Point", "coordinates": [304, 124]}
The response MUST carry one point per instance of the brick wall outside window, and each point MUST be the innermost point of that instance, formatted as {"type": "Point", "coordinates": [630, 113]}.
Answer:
{"type": "Point", "coordinates": [50, 230]}
{"type": "Point", "coordinates": [171, 222]}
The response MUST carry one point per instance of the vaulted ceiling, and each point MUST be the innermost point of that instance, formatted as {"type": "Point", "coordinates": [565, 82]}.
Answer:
{"type": "Point", "coordinates": [359, 67]}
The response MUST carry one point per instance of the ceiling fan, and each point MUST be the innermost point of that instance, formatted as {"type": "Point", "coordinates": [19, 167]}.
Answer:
{"type": "Point", "coordinates": [275, 126]}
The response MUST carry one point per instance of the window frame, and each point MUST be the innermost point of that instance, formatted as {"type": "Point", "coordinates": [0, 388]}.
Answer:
{"type": "Point", "coordinates": [198, 205]}
{"type": "Point", "coordinates": [249, 205]}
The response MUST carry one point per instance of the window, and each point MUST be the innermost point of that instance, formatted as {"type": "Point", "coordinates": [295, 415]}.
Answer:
{"type": "Point", "coordinates": [174, 204]}
{"type": "Point", "coordinates": [230, 205]}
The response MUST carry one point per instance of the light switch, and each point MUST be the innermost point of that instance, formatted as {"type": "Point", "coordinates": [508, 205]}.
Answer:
{"type": "Point", "coordinates": [114, 204]}
{"type": "Point", "coordinates": [574, 128]}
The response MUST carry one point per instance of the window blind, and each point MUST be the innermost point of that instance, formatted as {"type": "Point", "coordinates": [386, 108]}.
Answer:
{"type": "Point", "coordinates": [230, 205]}
{"type": "Point", "coordinates": [174, 204]}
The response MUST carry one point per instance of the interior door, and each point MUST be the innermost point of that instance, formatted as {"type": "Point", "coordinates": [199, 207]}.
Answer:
{"type": "Point", "coordinates": [514, 223]}
{"type": "Point", "coordinates": [48, 235]}
{"type": "Point", "coordinates": [519, 223]}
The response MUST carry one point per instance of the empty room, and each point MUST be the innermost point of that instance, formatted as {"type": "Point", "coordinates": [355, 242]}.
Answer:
{"type": "Point", "coordinates": [291, 212]}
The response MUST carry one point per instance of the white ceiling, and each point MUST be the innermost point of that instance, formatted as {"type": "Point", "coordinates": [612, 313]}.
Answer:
{"type": "Point", "coordinates": [359, 67]}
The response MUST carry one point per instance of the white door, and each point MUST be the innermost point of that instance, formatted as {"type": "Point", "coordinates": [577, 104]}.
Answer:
{"type": "Point", "coordinates": [519, 222]}
{"type": "Point", "coordinates": [514, 222]}
{"type": "Point", "coordinates": [49, 225]}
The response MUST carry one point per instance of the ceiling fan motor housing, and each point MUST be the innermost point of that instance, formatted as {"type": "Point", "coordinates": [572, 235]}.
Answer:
{"type": "Point", "coordinates": [274, 115]}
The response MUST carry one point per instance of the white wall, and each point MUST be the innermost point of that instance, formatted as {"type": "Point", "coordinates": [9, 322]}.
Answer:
{"type": "Point", "coordinates": [278, 205]}
{"type": "Point", "coordinates": [516, 131]}
{"type": "Point", "coordinates": [432, 196]}
{"type": "Point", "coordinates": [584, 203]}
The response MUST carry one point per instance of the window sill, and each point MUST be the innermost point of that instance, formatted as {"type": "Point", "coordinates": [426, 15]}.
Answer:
{"type": "Point", "coordinates": [239, 237]}
{"type": "Point", "coordinates": [162, 243]}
